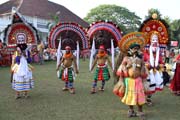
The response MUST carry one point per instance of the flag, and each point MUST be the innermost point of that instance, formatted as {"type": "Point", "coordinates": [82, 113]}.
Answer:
{"type": "Point", "coordinates": [93, 50]}
{"type": "Point", "coordinates": [77, 55]}
{"type": "Point", "coordinates": [59, 54]}
{"type": "Point", "coordinates": [112, 53]}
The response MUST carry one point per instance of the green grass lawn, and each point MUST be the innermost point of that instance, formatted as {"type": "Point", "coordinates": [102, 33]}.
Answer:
{"type": "Point", "coordinates": [49, 102]}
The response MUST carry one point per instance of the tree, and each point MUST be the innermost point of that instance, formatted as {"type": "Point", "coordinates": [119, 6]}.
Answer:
{"type": "Point", "coordinates": [55, 21]}
{"type": "Point", "coordinates": [152, 11]}
{"type": "Point", "coordinates": [169, 21]}
{"type": "Point", "coordinates": [126, 20]}
{"type": "Point", "coordinates": [175, 28]}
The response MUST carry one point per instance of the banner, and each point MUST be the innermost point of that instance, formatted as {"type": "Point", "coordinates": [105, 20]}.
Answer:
{"type": "Point", "coordinates": [174, 43]}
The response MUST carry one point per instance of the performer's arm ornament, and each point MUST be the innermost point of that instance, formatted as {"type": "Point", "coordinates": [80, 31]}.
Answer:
{"type": "Point", "coordinates": [122, 70]}
{"type": "Point", "coordinates": [144, 72]}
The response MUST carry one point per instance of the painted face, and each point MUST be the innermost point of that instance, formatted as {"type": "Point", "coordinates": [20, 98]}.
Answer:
{"type": "Point", "coordinates": [21, 38]}
{"type": "Point", "coordinates": [67, 51]}
{"type": "Point", "coordinates": [154, 42]}
{"type": "Point", "coordinates": [154, 38]}
{"type": "Point", "coordinates": [101, 50]}
{"type": "Point", "coordinates": [134, 50]}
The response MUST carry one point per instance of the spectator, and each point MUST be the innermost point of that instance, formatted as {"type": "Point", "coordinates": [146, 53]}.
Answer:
{"type": "Point", "coordinates": [166, 76]}
{"type": "Point", "coordinates": [172, 55]}
{"type": "Point", "coordinates": [175, 82]}
{"type": "Point", "coordinates": [167, 53]}
{"type": "Point", "coordinates": [35, 54]}
{"type": "Point", "coordinates": [40, 48]}
{"type": "Point", "coordinates": [46, 54]}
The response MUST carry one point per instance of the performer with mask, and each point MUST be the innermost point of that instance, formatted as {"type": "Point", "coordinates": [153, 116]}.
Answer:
{"type": "Point", "coordinates": [102, 72]}
{"type": "Point", "coordinates": [154, 63]}
{"type": "Point", "coordinates": [132, 73]}
{"type": "Point", "coordinates": [67, 72]}
{"type": "Point", "coordinates": [156, 30]}
{"type": "Point", "coordinates": [22, 81]}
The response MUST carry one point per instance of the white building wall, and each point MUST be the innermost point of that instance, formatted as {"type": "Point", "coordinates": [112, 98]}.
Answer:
{"type": "Point", "coordinates": [4, 21]}
{"type": "Point", "coordinates": [38, 23]}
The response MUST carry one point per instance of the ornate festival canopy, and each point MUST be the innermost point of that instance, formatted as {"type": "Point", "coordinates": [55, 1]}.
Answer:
{"type": "Point", "coordinates": [20, 32]}
{"type": "Point", "coordinates": [102, 32]}
{"type": "Point", "coordinates": [69, 34]}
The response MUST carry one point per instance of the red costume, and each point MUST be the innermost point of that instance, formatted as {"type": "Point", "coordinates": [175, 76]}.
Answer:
{"type": "Point", "coordinates": [175, 83]}
{"type": "Point", "coordinates": [147, 58]}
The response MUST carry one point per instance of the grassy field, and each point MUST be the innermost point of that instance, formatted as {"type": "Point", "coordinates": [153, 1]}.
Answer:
{"type": "Point", "coordinates": [49, 102]}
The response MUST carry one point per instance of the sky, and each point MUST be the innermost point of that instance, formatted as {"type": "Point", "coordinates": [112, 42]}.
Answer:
{"type": "Point", "coordinates": [170, 8]}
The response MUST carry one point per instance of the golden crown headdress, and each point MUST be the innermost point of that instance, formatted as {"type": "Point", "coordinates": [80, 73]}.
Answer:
{"type": "Point", "coordinates": [130, 39]}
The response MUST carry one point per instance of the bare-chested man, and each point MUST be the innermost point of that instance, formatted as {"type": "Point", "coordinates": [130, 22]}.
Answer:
{"type": "Point", "coordinates": [102, 72]}
{"type": "Point", "coordinates": [132, 73]}
{"type": "Point", "coordinates": [67, 72]}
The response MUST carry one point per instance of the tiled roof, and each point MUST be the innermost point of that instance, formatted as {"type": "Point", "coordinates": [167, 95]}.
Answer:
{"type": "Point", "coordinates": [7, 6]}
{"type": "Point", "coordinates": [42, 9]}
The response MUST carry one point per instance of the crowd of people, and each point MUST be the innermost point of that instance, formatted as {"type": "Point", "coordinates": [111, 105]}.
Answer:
{"type": "Point", "coordinates": [38, 53]}
{"type": "Point", "coordinates": [5, 55]}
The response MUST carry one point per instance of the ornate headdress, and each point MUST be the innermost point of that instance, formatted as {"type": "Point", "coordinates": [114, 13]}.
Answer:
{"type": "Point", "coordinates": [134, 38]}
{"type": "Point", "coordinates": [152, 26]}
{"type": "Point", "coordinates": [103, 33]}
{"type": "Point", "coordinates": [68, 34]}
{"type": "Point", "coordinates": [20, 32]}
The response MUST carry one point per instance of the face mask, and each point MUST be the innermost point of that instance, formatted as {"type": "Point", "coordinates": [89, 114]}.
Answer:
{"type": "Point", "coordinates": [101, 51]}
{"type": "Point", "coordinates": [67, 51]}
{"type": "Point", "coordinates": [136, 52]}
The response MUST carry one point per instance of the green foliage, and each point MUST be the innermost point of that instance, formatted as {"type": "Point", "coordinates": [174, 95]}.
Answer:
{"type": "Point", "coordinates": [175, 28]}
{"type": "Point", "coordinates": [152, 11]}
{"type": "Point", "coordinates": [55, 21]}
{"type": "Point", "coordinates": [127, 21]}
{"type": "Point", "coordinates": [48, 102]}
{"type": "Point", "coordinates": [167, 19]}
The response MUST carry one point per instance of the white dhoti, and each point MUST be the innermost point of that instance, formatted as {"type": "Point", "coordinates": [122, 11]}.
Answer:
{"type": "Point", "coordinates": [155, 80]}
{"type": "Point", "coordinates": [22, 77]}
